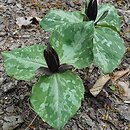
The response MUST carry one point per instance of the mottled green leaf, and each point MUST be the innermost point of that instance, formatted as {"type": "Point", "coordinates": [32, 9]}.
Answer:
{"type": "Point", "coordinates": [112, 19]}
{"type": "Point", "coordinates": [108, 49]}
{"type": "Point", "coordinates": [56, 18]}
{"type": "Point", "coordinates": [22, 63]}
{"type": "Point", "coordinates": [73, 43]}
{"type": "Point", "coordinates": [57, 97]}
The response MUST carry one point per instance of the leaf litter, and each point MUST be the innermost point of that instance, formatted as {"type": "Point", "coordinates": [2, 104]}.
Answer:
{"type": "Point", "coordinates": [98, 86]}
{"type": "Point", "coordinates": [100, 83]}
{"type": "Point", "coordinates": [23, 21]}
{"type": "Point", "coordinates": [88, 116]}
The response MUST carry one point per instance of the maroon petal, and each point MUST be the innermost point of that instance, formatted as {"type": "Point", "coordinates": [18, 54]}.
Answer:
{"type": "Point", "coordinates": [91, 10]}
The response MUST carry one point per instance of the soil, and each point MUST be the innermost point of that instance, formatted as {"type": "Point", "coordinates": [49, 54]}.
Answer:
{"type": "Point", "coordinates": [110, 110]}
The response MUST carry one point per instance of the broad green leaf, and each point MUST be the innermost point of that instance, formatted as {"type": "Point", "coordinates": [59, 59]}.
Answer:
{"type": "Point", "coordinates": [108, 49]}
{"type": "Point", "coordinates": [56, 98]}
{"type": "Point", "coordinates": [56, 18]}
{"type": "Point", "coordinates": [112, 20]}
{"type": "Point", "coordinates": [22, 63]}
{"type": "Point", "coordinates": [73, 43]}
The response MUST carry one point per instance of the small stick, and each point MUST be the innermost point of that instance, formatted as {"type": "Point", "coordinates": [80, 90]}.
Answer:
{"type": "Point", "coordinates": [31, 122]}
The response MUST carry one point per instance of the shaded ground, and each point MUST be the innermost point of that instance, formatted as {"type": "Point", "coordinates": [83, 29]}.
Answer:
{"type": "Point", "coordinates": [108, 111]}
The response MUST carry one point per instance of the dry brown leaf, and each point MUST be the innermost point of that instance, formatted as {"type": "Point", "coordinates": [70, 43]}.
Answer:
{"type": "Point", "coordinates": [98, 86]}
{"type": "Point", "coordinates": [119, 74]}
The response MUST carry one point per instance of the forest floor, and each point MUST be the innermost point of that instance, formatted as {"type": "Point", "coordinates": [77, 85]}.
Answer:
{"type": "Point", "coordinates": [110, 110]}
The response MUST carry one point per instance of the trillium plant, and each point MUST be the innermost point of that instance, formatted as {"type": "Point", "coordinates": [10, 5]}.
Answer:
{"type": "Point", "coordinates": [77, 40]}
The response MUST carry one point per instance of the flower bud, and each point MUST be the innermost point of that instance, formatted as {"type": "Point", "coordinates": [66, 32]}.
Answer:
{"type": "Point", "coordinates": [52, 59]}
{"type": "Point", "coordinates": [91, 10]}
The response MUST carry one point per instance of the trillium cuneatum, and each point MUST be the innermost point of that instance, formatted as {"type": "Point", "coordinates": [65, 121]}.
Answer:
{"type": "Point", "coordinates": [77, 42]}
{"type": "Point", "coordinates": [57, 95]}
{"type": "Point", "coordinates": [107, 46]}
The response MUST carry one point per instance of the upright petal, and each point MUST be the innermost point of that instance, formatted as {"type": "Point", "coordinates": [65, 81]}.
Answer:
{"type": "Point", "coordinates": [91, 10]}
{"type": "Point", "coordinates": [51, 58]}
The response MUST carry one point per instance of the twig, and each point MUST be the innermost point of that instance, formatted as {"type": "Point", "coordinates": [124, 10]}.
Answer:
{"type": "Point", "coordinates": [31, 122]}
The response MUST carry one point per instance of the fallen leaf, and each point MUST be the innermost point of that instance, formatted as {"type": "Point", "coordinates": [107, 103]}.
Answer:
{"type": "Point", "coordinates": [98, 86]}
{"type": "Point", "coordinates": [119, 74]}
{"type": "Point", "coordinates": [21, 21]}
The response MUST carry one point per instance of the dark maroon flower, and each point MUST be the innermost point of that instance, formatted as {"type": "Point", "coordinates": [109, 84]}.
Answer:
{"type": "Point", "coordinates": [53, 62]}
{"type": "Point", "coordinates": [52, 59]}
{"type": "Point", "coordinates": [91, 10]}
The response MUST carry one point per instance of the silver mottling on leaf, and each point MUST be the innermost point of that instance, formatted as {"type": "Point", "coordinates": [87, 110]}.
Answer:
{"type": "Point", "coordinates": [61, 100]}
{"type": "Point", "coordinates": [22, 63]}
{"type": "Point", "coordinates": [112, 19]}
{"type": "Point", "coordinates": [73, 43]}
{"type": "Point", "coordinates": [56, 18]}
{"type": "Point", "coordinates": [108, 49]}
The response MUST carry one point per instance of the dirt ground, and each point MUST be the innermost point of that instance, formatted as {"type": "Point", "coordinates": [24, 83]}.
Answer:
{"type": "Point", "coordinates": [110, 110]}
